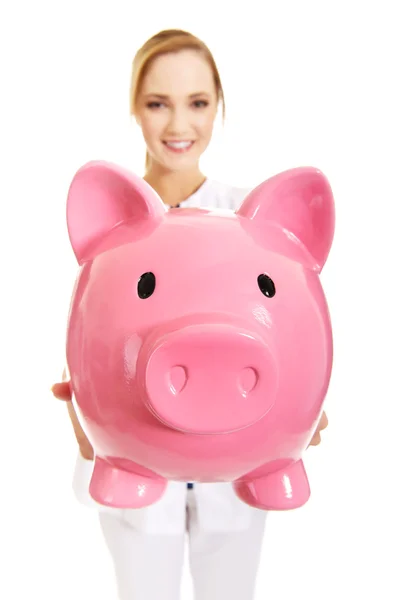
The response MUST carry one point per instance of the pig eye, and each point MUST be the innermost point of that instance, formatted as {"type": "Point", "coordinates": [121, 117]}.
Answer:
{"type": "Point", "coordinates": [146, 285]}
{"type": "Point", "coordinates": [266, 285]}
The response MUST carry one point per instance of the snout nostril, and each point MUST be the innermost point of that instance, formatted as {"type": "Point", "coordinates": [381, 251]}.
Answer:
{"type": "Point", "coordinates": [177, 379]}
{"type": "Point", "coordinates": [248, 379]}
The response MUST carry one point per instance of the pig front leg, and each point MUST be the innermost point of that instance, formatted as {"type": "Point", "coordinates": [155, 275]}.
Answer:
{"type": "Point", "coordinates": [119, 488]}
{"type": "Point", "coordinates": [283, 490]}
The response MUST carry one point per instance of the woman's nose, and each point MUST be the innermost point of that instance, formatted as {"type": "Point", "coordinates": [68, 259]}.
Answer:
{"type": "Point", "coordinates": [179, 123]}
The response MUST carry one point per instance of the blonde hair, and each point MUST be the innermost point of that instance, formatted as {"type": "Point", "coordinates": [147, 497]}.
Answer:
{"type": "Point", "coordinates": [166, 42]}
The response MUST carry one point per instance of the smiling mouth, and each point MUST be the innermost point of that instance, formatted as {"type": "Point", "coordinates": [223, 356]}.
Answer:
{"type": "Point", "coordinates": [179, 146]}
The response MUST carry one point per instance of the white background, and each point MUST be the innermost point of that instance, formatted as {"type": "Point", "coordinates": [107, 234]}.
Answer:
{"type": "Point", "coordinates": [305, 83]}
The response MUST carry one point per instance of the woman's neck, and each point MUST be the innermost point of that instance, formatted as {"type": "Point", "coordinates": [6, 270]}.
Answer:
{"type": "Point", "coordinates": [174, 187]}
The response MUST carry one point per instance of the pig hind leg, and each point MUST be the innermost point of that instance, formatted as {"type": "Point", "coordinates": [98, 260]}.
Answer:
{"type": "Point", "coordinates": [283, 490]}
{"type": "Point", "coordinates": [118, 488]}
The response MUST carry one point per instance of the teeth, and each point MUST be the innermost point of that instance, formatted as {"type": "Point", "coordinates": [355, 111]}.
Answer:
{"type": "Point", "coordinates": [179, 145]}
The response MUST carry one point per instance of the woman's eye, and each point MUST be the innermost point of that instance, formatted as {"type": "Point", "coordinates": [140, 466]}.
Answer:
{"type": "Point", "coordinates": [152, 105]}
{"type": "Point", "coordinates": [200, 103]}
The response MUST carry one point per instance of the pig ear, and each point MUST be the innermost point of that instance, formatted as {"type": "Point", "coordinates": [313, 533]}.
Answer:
{"type": "Point", "coordinates": [103, 195]}
{"type": "Point", "coordinates": [301, 202]}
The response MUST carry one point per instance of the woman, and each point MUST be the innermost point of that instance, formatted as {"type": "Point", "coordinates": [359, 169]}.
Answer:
{"type": "Point", "coordinates": [175, 94]}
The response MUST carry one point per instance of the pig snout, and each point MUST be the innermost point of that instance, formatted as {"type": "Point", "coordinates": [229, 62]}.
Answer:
{"type": "Point", "coordinates": [210, 379]}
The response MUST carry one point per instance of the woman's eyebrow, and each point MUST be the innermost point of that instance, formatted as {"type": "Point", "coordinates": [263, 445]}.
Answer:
{"type": "Point", "coordinates": [197, 94]}
{"type": "Point", "coordinates": [165, 97]}
{"type": "Point", "coordinates": [153, 95]}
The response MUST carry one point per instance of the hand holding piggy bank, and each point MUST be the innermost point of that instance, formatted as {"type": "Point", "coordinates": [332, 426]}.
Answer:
{"type": "Point", "coordinates": [199, 342]}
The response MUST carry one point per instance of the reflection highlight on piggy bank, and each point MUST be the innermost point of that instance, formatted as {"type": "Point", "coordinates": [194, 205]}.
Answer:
{"type": "Point", "coordinates": [199, 342]}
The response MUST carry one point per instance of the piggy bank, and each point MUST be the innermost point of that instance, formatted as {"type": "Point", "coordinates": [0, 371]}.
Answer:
{"type": "Point", "coordinates": [199, 342]}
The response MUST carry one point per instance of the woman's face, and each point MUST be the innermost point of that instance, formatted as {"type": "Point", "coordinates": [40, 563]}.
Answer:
{"type": "Point", "coordinates": [176, 109]}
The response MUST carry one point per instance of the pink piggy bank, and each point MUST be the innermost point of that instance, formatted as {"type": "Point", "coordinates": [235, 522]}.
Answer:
{"type": "Point", "coordinates": [199, 342]}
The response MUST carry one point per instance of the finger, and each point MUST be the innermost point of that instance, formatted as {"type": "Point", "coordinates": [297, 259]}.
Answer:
{"type": "Point", "coordinates": [316, 439]}
{"type": "Point", "coordinates": [62, 391]}
{"type": "Point", "coordinates": [323, 423]}
{"type": "Point", "coordinates": [86, 451]}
